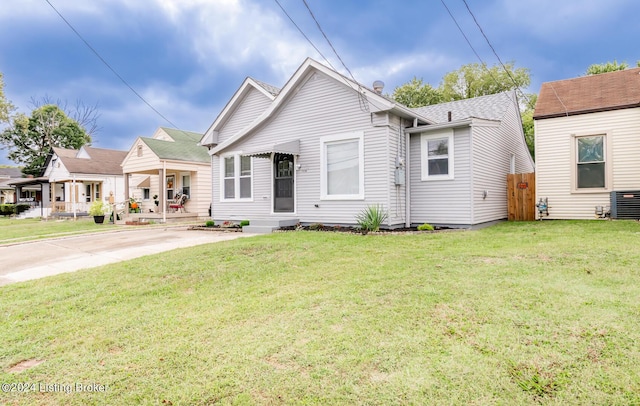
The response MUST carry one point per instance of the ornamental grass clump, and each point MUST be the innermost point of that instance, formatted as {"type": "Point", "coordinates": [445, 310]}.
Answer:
{"type": "Point", "coordinates": [371, 218]}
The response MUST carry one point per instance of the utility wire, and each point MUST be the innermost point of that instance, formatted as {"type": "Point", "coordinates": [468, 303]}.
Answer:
{"type": "Point", "coordinates": [327, 39]}
{"type": "Point", "coordinates": [111, 68]}
{"type": "Point", "coordinates": [304, 35]}
{"type": "Point", "coordinates": [495, 53]}
{"type": "Point", "coordinates": [361, 97]}
{"type": "Point", "coordinates": [484, 65]}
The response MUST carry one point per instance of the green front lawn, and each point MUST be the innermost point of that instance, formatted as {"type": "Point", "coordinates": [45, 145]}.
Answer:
{"type": "Point", "coordinates": [519, 313]}
{"type": "Point", "coordinates": [13, 230]}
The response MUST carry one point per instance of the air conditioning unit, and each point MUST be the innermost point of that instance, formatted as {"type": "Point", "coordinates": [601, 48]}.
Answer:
{"type": "Point", "coordinates": [625, 205]}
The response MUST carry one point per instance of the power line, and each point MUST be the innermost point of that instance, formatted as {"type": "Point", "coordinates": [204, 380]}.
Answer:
{"type": "Point", "coordinates": [484, 64]}
{"type": "Point", "coordinates": [304, 35]}
{"type": "Point", "coordinates": [111, 68]}
{"type": "Point", "coordinates": [494, 52]}
{"type": "Point", "coordinates": [327, 39]}
{"type": "Point", "coordinates": [362, 99]}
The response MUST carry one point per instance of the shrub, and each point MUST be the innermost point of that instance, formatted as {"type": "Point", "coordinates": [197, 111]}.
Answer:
{"type": "Point", "coordinates": [244, 223]}
{"type": "Point", "coordinates": [20, 207]}
{"type": "Point", "coordinates": [316, 226]}
{"type": "Point", "coordinates": [7, 209]}
{"type": "Point", "coordinates": [97, 208]}
{"type": "Point", "coordinates": [371, 218]}
{"type": "Point", "coordinates": [210, 223]}
{"type": "Point", "coordinates": [425, 227]}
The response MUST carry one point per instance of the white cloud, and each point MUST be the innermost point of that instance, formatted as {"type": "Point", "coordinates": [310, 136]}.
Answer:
{"type": "Point", "coordinates": [232, 33]}
{"type": "Point", "coordinates": [396, 70]}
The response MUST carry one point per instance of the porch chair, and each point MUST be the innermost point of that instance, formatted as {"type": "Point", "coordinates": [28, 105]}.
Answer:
{"type": "Point", "coordinates": [178, 203]}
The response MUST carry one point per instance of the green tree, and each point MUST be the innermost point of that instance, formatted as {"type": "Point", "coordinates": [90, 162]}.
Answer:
{"type": "Point", "coordinates": [30, 139]}
{"type": "Point", "coordinates": [475, 80]}
{"type": "Point", "coordinates": [598, 68]}
{"type": "Point", "coordinates": [527, 123]}
{"type": "Point", "coordinates": [416, 93]}
{"type": "Point", "coordinates": [469, 81]}
{"type": "Point", "coordinates": [5, 106]}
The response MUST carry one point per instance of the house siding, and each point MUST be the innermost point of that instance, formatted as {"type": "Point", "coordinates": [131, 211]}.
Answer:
{"type": "Point", "coordinates": [252, 105]}
{"type": "Point", "coordinates": [134, 163]}
{"type": "Point", "coordinates": [442, 202]}
{"type": "Point", "coordinates": [490, 175]}
{"type": "Point", "coordinates": [320, 107]}
{"type": "Point", "coordinates": [554, 162]}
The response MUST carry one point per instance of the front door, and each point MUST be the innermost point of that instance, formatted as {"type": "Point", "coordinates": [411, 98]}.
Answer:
{"type": "Point", "coordinates": [283, 183]}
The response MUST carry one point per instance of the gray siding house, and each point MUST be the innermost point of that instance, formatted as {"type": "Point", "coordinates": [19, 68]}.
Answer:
{"type": "Point", "coordinates": [323, 148]}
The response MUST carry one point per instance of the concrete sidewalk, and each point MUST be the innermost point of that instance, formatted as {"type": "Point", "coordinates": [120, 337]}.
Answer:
{"type": "Point", "coordinates": [39, 259]}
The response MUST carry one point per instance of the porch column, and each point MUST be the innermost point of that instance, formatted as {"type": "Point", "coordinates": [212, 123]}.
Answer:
{"type": "Point", "coordinates": [163, 191]}
{"type": "Point", "coordinates": [126, 191]}
{"type": "Point", "coordinates": [53, 196]}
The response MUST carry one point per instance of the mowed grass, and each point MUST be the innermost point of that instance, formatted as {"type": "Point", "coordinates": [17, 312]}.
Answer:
{"type": "Point", "coordinates": [13, 230]}
{"type": "Point", "coordinates": [519, 313]}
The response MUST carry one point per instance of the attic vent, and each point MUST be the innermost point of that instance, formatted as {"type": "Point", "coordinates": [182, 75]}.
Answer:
{"type": "Point", "coordinates": [625, 205]}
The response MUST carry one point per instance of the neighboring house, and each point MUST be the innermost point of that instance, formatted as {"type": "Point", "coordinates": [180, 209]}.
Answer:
{"type": "Point", "coordinates": [78, 177]}
{"type": "Point", "coordinates": [324, 148]}
{"type": "Point", "coordinates": [587, 144]}
{"type": "Point", "coordinates": [7, 192]}
{"type": "Point", "coordinates": [165, 165]}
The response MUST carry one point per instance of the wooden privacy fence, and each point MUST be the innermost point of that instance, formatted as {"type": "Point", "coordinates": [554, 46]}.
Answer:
{"type": "Point", "coordinates": [521, 196]}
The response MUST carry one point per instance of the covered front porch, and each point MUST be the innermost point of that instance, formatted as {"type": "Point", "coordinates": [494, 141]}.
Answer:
{"type": "Point", "coordinates": [165, 194]}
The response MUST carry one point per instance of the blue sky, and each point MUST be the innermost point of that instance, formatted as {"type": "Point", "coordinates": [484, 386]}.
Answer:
{"type": "Point", "coordinates": [188, 57]}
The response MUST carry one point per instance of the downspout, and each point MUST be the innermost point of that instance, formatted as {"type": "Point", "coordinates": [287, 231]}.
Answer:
{"type": "Point", "coordinates": [212, 180]}
{"type": "Point", "coordinates": [407, 186]}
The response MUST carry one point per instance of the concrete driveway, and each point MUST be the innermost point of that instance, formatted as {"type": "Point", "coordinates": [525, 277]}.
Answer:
{"type": "Point", "coordinates": [38, 259]}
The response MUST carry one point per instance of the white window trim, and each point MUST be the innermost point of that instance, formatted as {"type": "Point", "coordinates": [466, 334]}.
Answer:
{"type": "Point", "coordinates": [424, 155]}
{"type": "Point", "coordinates": [608, 163]}
{"type": "Point", "coordinates": [356, 135]}
{"type": "Point", "coordinates": [236, 177]}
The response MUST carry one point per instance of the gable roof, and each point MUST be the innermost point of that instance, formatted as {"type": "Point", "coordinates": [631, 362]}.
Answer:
{"type": "Point", "coordinates": [589, 94]}
{"type": "Point", "coordinates": [184, 147]}
{"type": "Point", "coordinates": [210, 137]}
{"type": "Point", "coordinates": [10, 173]}
{"type": "Point", "coordinates": [490, 107]}
{"type": "Point", "coordinates": [103, 161]}
{"type": "Point", "coordinates": [374, 101]}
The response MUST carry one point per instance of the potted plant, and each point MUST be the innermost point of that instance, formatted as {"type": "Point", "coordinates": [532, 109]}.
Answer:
{"type": "Point", "coordinates": [133, 206]}
{"type": "Point", "coordinates": [97, 210]}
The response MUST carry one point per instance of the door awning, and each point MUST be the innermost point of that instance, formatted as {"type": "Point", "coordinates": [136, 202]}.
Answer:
{"type": "Point", "coordinates": [146, 183]}
{"type": "Point", "coordinates": [265, 151]}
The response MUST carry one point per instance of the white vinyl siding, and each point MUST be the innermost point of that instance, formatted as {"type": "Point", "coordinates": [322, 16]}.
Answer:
{"type": "Point", "coordinates": [251, 106]}
{"type": "Point", "coordinates": [555, 166]}
{"type": "Point", "coordinates": [446, 202]}
{"type": "Point", "coordinates": [342, 167]}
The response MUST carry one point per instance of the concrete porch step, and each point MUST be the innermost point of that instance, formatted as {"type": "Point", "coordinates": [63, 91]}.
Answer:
{"type": "Point", "coordinates": [268, 224]}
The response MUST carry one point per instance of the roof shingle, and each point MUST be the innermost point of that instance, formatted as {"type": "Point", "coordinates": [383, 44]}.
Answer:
{"type": "Point", "coordinates": [589, 94]}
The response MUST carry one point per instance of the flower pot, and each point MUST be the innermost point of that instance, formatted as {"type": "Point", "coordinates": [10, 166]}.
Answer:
{"type": "Point", "coordinates": [98, 219]}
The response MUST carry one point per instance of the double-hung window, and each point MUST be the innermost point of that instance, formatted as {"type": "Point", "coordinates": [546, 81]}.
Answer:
{"type": "Point", "coordinates": [591, 170]}
{"type": "Point", "coordinates": [437, 155]}
{"type": "Point", "coordinates": [342, 167]}
{"type": "Point", "coordinates": [237, 177]}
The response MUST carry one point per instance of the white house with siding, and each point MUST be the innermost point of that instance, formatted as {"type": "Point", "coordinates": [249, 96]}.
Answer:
{"type": "Point", "coordinates": [164, 166]}
{"type": "Point", "coordinates": [587, 143]}
{"type": "Point", "coordinates": [323, 148]}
